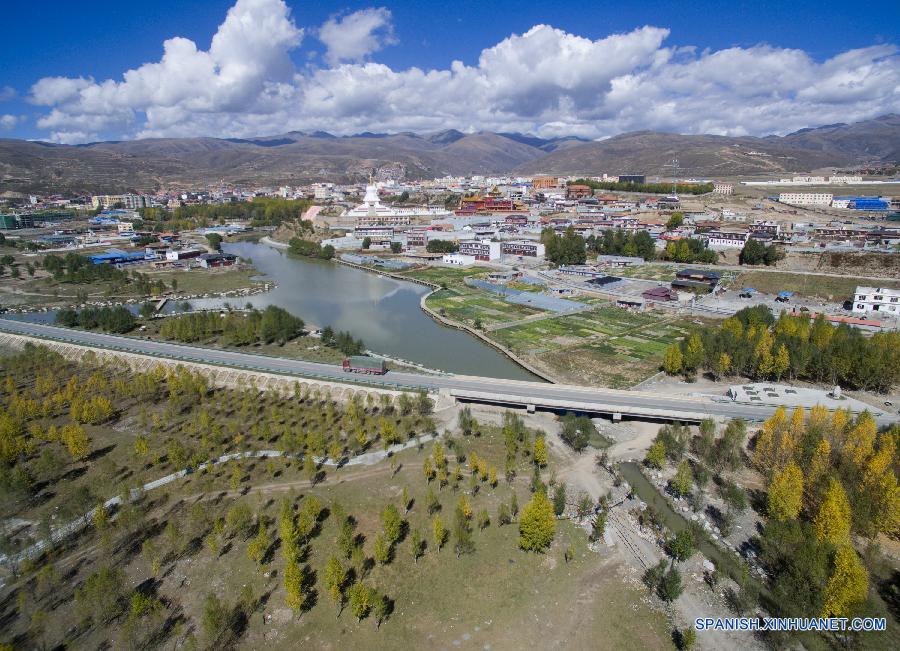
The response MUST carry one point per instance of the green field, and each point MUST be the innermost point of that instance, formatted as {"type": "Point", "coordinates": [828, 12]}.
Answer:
{"type": "Point", "coordinates": [831, 288]}
{"type": "Point", "coordinates": [208, 281]}
{"type": "Point", "coordinates": [445, 276]}
{"type": "Point", "coordinates": [464, 304]}
{"type": "Point", "coordinates": [468, 304]}
{"type": "Point", "coordinates": [604, 347]}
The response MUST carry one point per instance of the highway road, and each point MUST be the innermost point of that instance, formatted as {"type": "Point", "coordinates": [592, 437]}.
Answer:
{"type": "Point", "coordinates": [477, 389]}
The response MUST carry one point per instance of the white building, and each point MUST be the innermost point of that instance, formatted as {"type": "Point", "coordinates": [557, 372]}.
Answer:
{"type": "Point", "coordinates": [127, 201]}
{"type": "Point", "coordinates": [323, 191]}
{"type": "Point", "coordinates": [458, 259]}
{"type": "Point", "coordinates": [125, 227]}
{"type": "Point", "coordinates": [371, 211]}
{"type": "Point", "coordinates": [806, 198]}
{"type": "Point", "coordinates": [723, 188]}
{"type": "Point", "coordinates": [845, 179]}
{"type": "Point", "coordinates": [876, 299]}
{"type": "Point", "coordinates": [483, 250]}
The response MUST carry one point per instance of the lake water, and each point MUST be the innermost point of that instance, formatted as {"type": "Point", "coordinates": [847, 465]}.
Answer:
{"type": "Point", "coordinates": [383, 312]}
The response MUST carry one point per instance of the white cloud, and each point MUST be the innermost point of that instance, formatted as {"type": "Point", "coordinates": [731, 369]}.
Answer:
{"type": "Point", "coordinates": [355, 36]}
{"type": "Point", "coordinates": [7, 93]}
{"type": "Point", "coordinates": [8, 121]}
{"type": "Point", "coordinates": [545, 81]}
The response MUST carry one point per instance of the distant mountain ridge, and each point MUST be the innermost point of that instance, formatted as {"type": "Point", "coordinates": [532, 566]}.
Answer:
{"type": "Point", "coordinates": [298, 157]}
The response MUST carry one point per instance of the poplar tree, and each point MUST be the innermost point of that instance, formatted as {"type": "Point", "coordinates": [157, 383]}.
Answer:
{"type": "Point", "coordinates": [537, 525]}
{"type": "Point", "coordinates": [786, 493]}
{"type": "Point", "coordinates": [848, 586]}
{"type": "Point", "coordinates": [832, 522]}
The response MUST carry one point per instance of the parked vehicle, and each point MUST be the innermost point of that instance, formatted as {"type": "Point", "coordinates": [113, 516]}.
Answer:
{"type": "Point", "coordinates": [366, 365]}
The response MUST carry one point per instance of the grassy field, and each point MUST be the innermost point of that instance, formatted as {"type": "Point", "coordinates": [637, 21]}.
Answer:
{"type": "Point", "coordinates": [831, 288]}
{"type": "Point", "coordinates": [468, 305]}
{"type": "Point", "coordinates": [208, 281]}
{"type": "Point", "coordinates": [604, 347]}
{"type": "Point", "coordinates": [179, 544]}
{"type": "Point", "coordinates": [445, 276]}
{"type": "Point", "coordinates": [663, 272]}
{"type": "Point", "coordinates": [464, 304]}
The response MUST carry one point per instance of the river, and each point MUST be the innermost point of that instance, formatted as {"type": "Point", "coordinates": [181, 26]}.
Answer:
{"type": "Point", "coordinates": [383, 312]}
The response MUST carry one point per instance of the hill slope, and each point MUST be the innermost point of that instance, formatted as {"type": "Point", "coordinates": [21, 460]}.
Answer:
{"type": "Point", "coordinates": [648, 152]}
{"type": "Point", "coordinates": [295, 157]}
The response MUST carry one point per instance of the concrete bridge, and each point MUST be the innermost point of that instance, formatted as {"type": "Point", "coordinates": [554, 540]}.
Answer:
{"type": "Point", "coordinates": [512, 393]}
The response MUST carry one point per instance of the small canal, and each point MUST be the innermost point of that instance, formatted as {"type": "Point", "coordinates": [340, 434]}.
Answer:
{"type": "Point", "coordinates": [648, 493]}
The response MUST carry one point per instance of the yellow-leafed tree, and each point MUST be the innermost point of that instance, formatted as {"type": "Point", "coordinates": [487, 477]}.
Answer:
{"type": "Point", "coordinates": [848, 585]}
{"type": "Point", "coordinates": [832, 522]}
{"type": "Point", "coordinates": [786, 493]}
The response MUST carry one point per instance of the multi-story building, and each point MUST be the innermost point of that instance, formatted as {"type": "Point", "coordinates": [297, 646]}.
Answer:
{"type": "Point", "coordinates": [375, 233]}
{"type": "Point", "coordinates": [806, 198]}
{"type": "Point", "coordinates": [384, 220]}
{"type": "Point", "coordinates": [876, 299]}
{"type": "Point", "coordinates": [483, 250]}
{"type": "Point", "coordinates": [726, 240]}
{"type": "Point", "coordinates": [323, 191]}
{"type": "Point", "coordinates": [127, 201]}
{"type": "Point", "coordinates": [523, 248]}
{"type": "Point", "coordinates": [578, 191]}
{"type": "Point", "coordinates": [765, 226]}
{"type": "Point", "coordinates": [545, 183]}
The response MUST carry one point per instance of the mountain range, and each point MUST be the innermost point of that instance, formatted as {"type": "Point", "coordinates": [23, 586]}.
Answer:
{"type": "Point", "coordinates": [298, 157]}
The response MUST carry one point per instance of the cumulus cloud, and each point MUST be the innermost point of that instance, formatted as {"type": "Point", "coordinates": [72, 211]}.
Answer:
{"type": "Point", "coordinates": [545, 81]}
{"type": "Point", "coordinates": [355, 36]}
{"type": "Point", "coordinates": [8, 121]}
{"type": "Point", "coordinates": [7, 93]}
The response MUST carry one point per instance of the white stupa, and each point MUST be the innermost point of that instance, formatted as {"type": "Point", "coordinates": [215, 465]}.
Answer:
{"type": "Point", "coordinates": [372, 212]}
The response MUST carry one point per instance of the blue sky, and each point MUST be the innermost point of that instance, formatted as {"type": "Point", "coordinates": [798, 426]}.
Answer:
{"type": "Point", "coordinates": [848, 66]}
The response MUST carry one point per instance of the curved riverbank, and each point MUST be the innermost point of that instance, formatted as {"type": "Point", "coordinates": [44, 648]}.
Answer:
{"type": "Point", "coordinates": [475, 333]}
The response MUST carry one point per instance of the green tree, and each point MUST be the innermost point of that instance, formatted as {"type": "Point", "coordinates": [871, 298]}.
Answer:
{"type": "Point", "coordinates": [656, 455]}
{"type": "Point", "coordinates": [334, 579]}
{"type": "Point", "coordinates": [462, 533]}
{"type": "Point", "coordinates": [681, 545]}
{"type": "Point", "coordinates": [392, 523]}
{"type": "Point", "coordinates": [670, 586]}
{"type": "Point", "coordinates": [417, 544]}
{"type": "Point", "coordinates": [684, 479]}
{"type": "Point", "coordinates": [673, 360]}
{"type": "Point", "coordinates": [559, 499]}
{"type": "Point", "coordinates": [360, 600]}
{"type": "Point", "coordinates": [257, 548]}
{"type": "Point", "coordinates": [439, 532]}
{"type": "Point", "coordinates": [215, 241]}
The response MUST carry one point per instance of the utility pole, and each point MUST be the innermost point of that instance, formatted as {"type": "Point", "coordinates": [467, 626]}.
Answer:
{"type": "Point", "coordinates": [674, 166]}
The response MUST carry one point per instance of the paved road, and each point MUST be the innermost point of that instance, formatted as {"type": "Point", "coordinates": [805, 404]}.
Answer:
{"type": "Point", "coordinates": [480, 389]}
